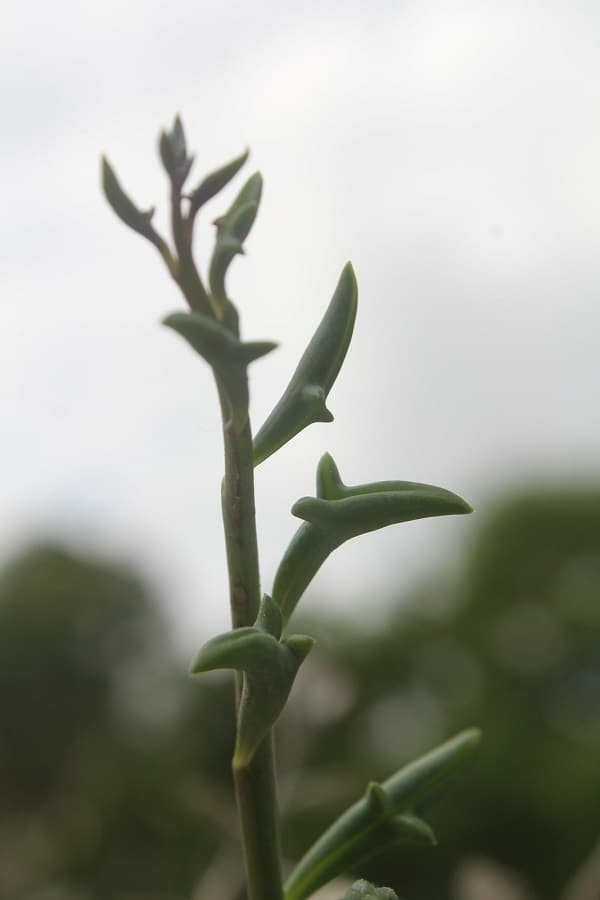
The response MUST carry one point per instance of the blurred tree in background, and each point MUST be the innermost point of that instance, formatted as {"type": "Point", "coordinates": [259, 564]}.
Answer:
{"type": "Point", "coordinates": [92, 767]}
{"type": "Point", "coordinates": [114, 767]}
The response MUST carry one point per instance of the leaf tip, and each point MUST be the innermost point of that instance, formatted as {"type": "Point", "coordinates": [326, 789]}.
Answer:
{"type": "Point", "coordinates": [300, 646]}
{"type": "Point", "coordinates": [173, 320]}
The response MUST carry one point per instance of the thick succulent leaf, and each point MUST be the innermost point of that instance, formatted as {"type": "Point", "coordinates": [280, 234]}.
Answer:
{"type": "Point", "coordinates": [303, 401]}
{"type": "Point", "coordinates": [339, 513]}
{"type": "Point", "coordinates": [364, 890]}
{"type": "Point", "coordinates": [249, 195]}
{"type": "Point", "coordinates": [419, 779]}
{"type": "Point", "coordinates": [232, 230]}
{"type": "Point", "coordinates": [173, 153]}
{"type": "Point", "coordinates": [269, 668]}
{"type": "Point", "coordinates": [227, 355]}
{"type": "Point", "coordinates": [210, 186]}
{"type": "Point", "coordinates": [125, 209]}
{"type": "Point", "coordinates": [244, 649]}
{"type": "Point", "coordinates": [357, 849]}
{"type": "Point", "coordinates": [380, 819]}
{"type": "Point", "coordinates": [265, 694]}
{"type": "Point", "coordinates": [405, 502]}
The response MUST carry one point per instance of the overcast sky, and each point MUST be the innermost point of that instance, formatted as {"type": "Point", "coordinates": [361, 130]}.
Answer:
{"type": "Point", "coordinates": [450, 149]}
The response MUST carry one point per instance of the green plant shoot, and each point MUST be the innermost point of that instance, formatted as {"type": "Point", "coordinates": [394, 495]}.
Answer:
{"type": "Point", "coordinates": [265, 660]}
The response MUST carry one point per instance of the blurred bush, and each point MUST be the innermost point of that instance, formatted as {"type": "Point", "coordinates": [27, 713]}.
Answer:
{"type": "Point", "coordinates": [114, 767]}
{"type": "Point", "coordinates": [96, 772]}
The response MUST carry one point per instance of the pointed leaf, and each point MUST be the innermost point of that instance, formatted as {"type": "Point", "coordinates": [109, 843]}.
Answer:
{"type": "Point", "coordinates": [269, 668]}
{"type": "Point", "coordinates": [210, 186]}
{"type": "Point", "coordinates": [126, 210]}
{"type": "Point", "coordinates": [339, 513]}
{"type": "Point", "coordinates": [417, 780]}
{"type": "Point", "coordinates": [265, 694]}
{"type": "Point", "coordinates": [249, 196]}
{"type": "Point", "coordinates": [374, 823]}
{"type": "Point", "coordinates": [244, 649]}
{"type": "Point", "coordinates": [135, 218]}
{"type": "Point", "coordinates": [232, 230]}
{"type": "Point", "coordinates": [303, 401]}
{"type": "Point", "coordinates": [173, 153]}
{"type": "Point", "coordinates": [404, 502]}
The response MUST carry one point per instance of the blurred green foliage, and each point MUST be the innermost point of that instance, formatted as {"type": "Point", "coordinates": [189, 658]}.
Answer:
{"type": "Point", "coordinates": [114, 766]}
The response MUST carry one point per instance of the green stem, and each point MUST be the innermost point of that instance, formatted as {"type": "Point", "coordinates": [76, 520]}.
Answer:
{"type": "Point", "coordinates": [187, 276]}
{"type": "Point", "coordinates": [257, 803]}
{"type": "Point", "coordinates": [239, 520]}
{"type": "Point", "coordinates": [255, 784]}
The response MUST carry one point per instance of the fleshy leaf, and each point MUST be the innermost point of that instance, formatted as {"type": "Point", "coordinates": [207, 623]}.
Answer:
{"type": "Point", "coordinates": [232, 230]}
{"type": "Point", "coordinates": [228, 357]}
{"type": "Point", "coordinates": [339, 513]}
{"type": "Point", "coordinates": [125, 208]}
{"type": "Point", "coordinates": [137, 219]}
{"type": "Point", "coordinates": [173, 153]}
{"type": "Point", "coordinates": [374, 823]}
{"type": "Point", "coordinates": [303, 401]}
{"type": "Point", "coordinates": [210, 186]}
{"type": "Point", "coordinates": [269, 668]}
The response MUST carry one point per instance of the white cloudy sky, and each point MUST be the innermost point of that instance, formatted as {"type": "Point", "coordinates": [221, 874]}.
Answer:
{"type": "Point", "coordinates": [450, 149]}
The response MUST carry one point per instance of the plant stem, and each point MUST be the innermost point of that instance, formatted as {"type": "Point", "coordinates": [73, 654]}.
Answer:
{"type": "Point", "coordinates": [257, 803]}
{"type": "Point", "coordinates": [239, 521]}
{"type": "Point", "coordinates": [255, 784]}
{"type": "Point", "coordinates": [187, 275]}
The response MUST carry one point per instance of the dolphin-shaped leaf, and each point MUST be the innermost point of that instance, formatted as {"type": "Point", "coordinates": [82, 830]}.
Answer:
{"type": "Point", "coordinates": [173, 153]}
{"type": "Point", "coordinates": [339, 512]}
{"type": "Point", "coordinates": [303, 401]}
{"type": "Point", "coordinates": [381, 818]}
{"type": "Point", "coordinates": [232, 230]}
{"type": "Point", "coordinates": [269, 668]}
{"type": "Point", "coordinates": [210, 186]}
{"type": "Point", "coordinates": [137, 219]}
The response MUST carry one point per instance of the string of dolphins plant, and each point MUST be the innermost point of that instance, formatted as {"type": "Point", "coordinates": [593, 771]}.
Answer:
{"type": "Point", "coordinates": [263, 655]}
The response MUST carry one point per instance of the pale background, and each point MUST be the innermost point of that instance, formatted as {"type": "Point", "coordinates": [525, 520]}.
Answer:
{"type": "Point", "coordinates": [450, 149]}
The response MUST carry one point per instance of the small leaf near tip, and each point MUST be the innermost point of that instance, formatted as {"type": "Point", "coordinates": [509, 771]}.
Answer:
{"type": "Point", "coordinates": [137, 219]}
{"type": "Point", "coordinates": [213, 183]}
{"type": "Point", "coordinates": [173, 153]}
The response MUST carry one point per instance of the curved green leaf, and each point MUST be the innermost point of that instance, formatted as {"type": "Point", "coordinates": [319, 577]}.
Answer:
{"type": "Point", "coordinates": [339, 513]}
{"type": "Point", "coordinates": [210, 186]}
{"type": "Point", "coordinates": [303, 401]}
{"type": "Point", "coordinates": [123, 206]}
{"type": "Point", "coordinates": [232, 230]}
{"type": "Point", "coordinates": [243, 649]}
{"type": "Point", "coordinates": [269, 668]}
{"type": "Point", "coordinates": [137, 219]}
{"type": "Point", "coordinates": [173, 153]}
{"type": "Point", "coordinates": [380, 819]}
